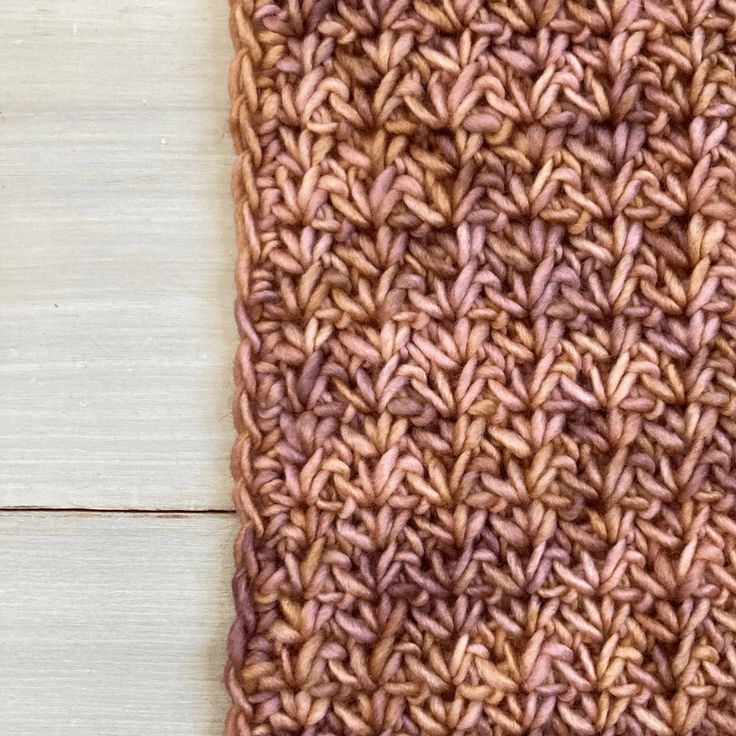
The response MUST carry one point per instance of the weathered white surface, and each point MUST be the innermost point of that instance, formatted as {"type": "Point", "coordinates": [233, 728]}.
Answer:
{"type": "Point", "coordinates": [113, 624]}
{"type": "Point", "coordinates": [116, 254]}
{"type": "Point", "coordinates": [116, 341]}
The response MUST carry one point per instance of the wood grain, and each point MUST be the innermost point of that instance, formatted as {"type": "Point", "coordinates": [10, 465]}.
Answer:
{"type": "Point", "coordinates": [116, 289]}
{"type": "Point", "coordinates": [113, 624]}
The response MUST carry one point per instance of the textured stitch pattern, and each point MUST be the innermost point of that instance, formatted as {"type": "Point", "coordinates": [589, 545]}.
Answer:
{"type": "Point", "coordinates": [486, 384]}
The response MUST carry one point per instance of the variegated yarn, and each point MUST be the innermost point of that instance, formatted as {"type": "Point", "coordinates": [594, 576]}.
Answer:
{"type": "Point", "coordinates": [486, 384]}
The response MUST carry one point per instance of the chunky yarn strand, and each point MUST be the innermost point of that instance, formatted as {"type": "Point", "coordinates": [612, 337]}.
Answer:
{"type": "Point", "coordinates": [486, 381]}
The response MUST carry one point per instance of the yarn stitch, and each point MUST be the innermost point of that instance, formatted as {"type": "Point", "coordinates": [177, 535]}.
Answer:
{"type": "Point", "coordinates": [486, 384]}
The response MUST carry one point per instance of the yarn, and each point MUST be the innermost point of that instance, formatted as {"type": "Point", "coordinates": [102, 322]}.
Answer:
{"type": "Point", "coordinates": [486, 381]}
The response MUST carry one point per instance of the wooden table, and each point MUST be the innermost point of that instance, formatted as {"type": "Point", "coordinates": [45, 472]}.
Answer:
{"type": "Point", "coordinates": [116, 346]}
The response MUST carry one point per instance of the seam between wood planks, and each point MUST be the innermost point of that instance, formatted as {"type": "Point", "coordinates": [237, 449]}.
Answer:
{"type": "Point", "coordinates": [98, 510]}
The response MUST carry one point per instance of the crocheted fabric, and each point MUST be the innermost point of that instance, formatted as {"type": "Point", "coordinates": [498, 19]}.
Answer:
{"type": "Point", "coordinates": [486, 385]}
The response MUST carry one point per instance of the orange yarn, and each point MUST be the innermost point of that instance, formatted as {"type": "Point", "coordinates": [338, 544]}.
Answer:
{"type": "Point", "coordinates": [486, 385]}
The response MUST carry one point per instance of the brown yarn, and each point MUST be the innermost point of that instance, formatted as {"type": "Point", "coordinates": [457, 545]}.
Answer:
{"type": "Point", "coordinates": [486, 385]}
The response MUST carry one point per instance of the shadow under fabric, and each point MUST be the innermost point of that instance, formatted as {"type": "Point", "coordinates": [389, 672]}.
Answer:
{"type": "Point", "coordinates": [486, 383]}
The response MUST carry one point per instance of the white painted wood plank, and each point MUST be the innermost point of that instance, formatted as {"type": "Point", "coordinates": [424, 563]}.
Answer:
{"type": "Point", "coordinates": [116, 254]}
{"type": "Point", "coordinates": [114, 624]}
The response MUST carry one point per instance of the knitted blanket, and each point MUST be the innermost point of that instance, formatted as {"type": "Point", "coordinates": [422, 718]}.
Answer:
{"type": "Point", "coordinates": [486, 384]}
